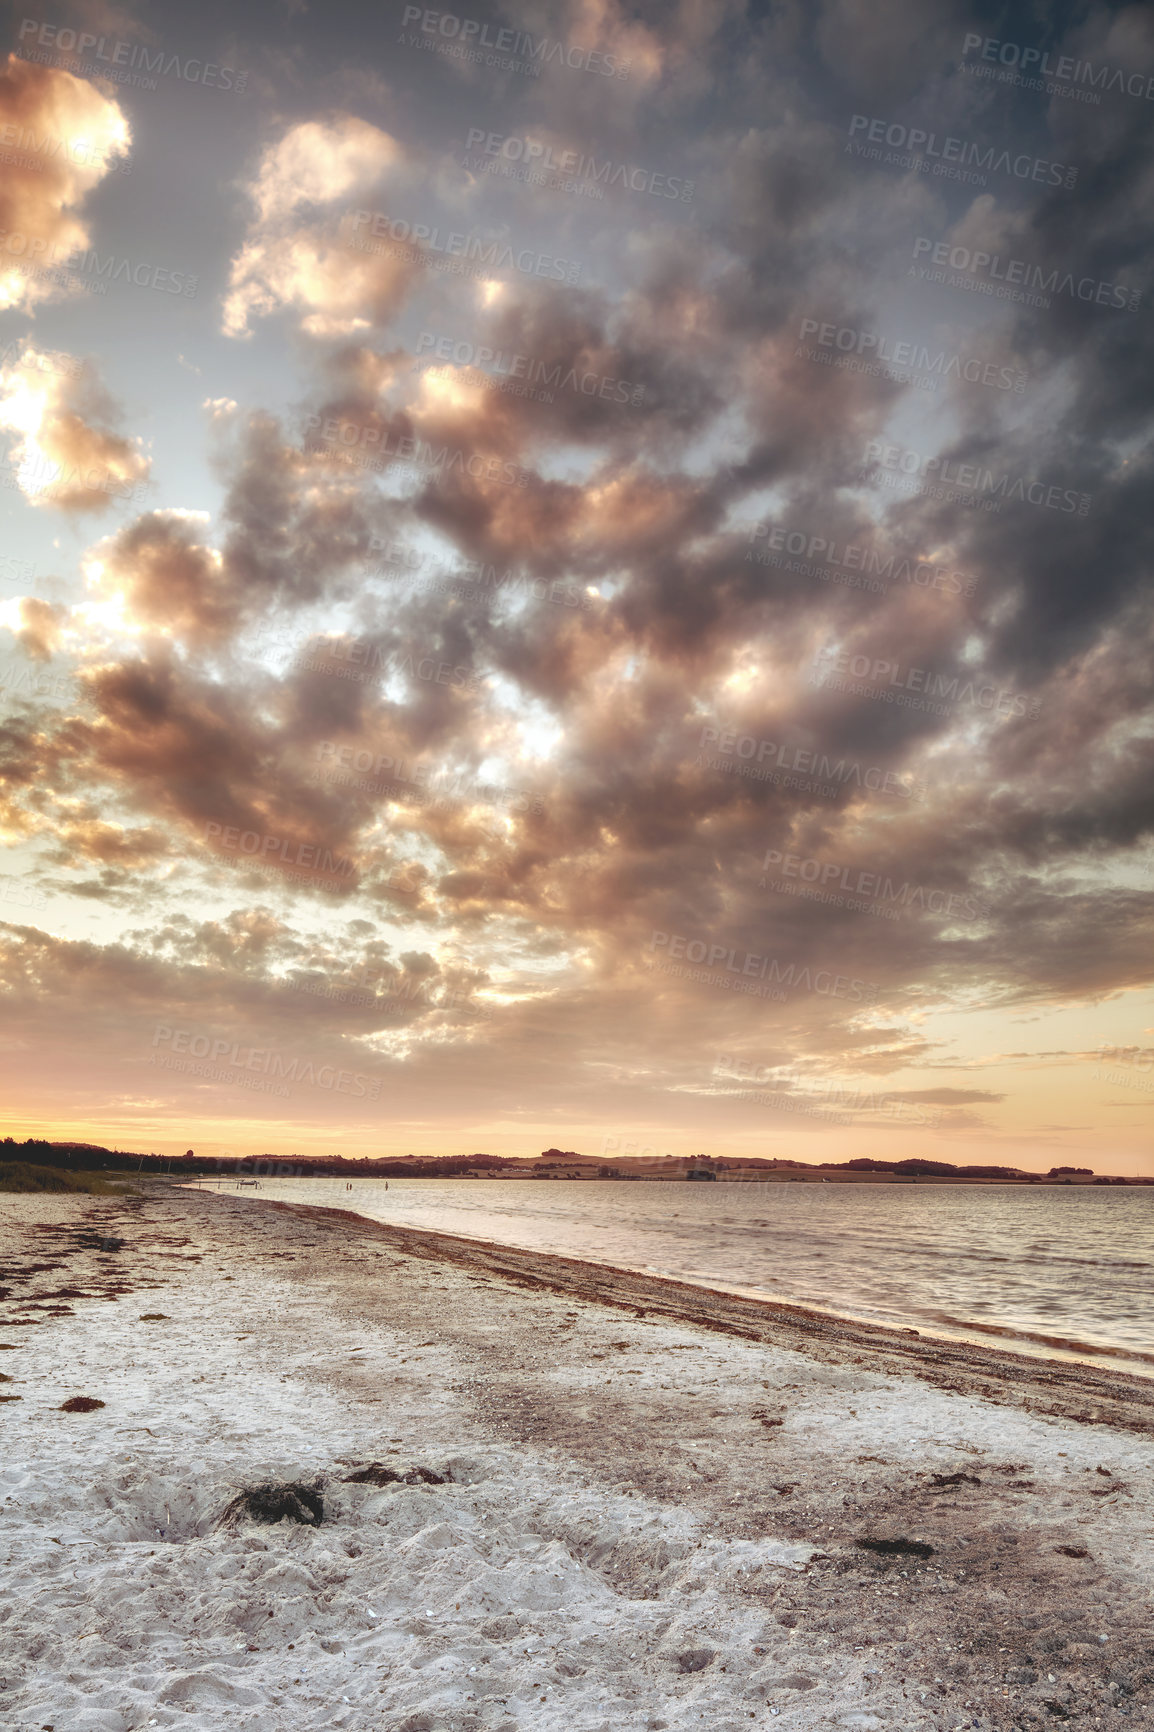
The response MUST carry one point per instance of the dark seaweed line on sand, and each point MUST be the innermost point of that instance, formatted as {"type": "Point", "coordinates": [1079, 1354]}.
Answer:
{"type": "Point", "coordinates": [1083, 1393]}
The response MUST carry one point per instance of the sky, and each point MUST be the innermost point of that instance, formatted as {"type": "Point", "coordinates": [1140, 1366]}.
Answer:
{"type": "Point", "coordinates": [577, 575]}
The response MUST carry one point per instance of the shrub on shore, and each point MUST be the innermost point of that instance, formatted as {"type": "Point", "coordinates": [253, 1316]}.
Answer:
{"type": "Point", "coordinates": [21, 1176]}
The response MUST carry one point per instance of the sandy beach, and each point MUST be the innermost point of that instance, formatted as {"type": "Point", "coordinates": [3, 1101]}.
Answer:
{"type": "Point", "coordinates": [622, 1502]}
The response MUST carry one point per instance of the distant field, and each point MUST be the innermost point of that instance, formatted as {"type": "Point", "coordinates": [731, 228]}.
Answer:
{"type": "Point", "coordinates": [20, 1176]}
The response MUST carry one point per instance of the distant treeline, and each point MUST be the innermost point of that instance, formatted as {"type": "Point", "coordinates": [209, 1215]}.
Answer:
{"type": "Point", "coordinates": [943, 1169]}
{"type": "Point", "coordinates": [91, 1157]}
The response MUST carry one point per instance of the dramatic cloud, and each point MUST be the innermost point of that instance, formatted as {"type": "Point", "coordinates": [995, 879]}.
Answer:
{"type": "Point", "coordinates": [62, 459]}
{"type": "Point", "coordinates": [660, 597]}
{"type": "Point", "coordinates": [297, 253]}
{"type": "Point", "coordinates": [62, 137]}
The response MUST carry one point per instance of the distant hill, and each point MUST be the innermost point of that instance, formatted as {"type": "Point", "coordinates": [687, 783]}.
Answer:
{"type": "Point", "coordinates": [559, 1164]}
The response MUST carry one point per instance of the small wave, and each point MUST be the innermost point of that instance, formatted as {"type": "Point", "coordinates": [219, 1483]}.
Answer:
{"type": "Point", "coordinates": [1061, 1343]}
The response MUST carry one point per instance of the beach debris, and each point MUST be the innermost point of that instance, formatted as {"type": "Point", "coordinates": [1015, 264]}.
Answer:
{"type": "Point", "coordinates": [98, 1242]}
{"type": "Point", "coordinates": [81, 1404]}
{"type": "Point", "coordinates": [1072, 1551]}
{"type": "Point", "coordinates": [942, 1479]}
{"type": "Point", "coordinates": [155, 1317]}
{"type": "Point", "coordinates": [276, 1503]}
{"type": "Point", "coordinates": [695, 1659]}
{"type": "Point", "coordinates": [378, 1474]}
{"type": "Point", "coordinates": [887, 1548]}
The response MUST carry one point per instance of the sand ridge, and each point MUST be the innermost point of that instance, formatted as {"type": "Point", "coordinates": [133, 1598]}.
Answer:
{"type": "Point", "coordinates": [645, 1521]}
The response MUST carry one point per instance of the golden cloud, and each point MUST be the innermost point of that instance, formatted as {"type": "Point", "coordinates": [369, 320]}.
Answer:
{"type": "Point", "coordinates": [61, 458]}
{"type": "Point", "coordinates": [61, 138]}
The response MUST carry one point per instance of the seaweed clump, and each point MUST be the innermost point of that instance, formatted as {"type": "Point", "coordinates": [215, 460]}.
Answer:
{"type": "Point", "coordinates": [890, 1548]}
{"type": "Point", "coordinates": [80, 1404]}
{"type": "Point", "coordinates": [277, 1503]}
{"type": "Point", "coordinates": [377, 1474]}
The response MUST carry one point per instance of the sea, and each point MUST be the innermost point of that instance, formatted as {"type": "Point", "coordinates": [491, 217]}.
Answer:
{"type": "Point", "coordinates": [1061, 1272]}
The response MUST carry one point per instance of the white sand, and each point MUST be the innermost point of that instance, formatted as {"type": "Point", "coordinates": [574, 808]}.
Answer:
{"type": "Point", "coordinates": [550, 1583]}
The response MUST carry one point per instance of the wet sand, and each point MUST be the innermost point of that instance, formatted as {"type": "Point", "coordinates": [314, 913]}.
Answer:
{"type": "Point", "coordinates": [651, 1508]}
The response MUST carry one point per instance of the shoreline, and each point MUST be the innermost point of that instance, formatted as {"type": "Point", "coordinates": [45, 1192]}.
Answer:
{"type": "Point", "coordinates": [938, 1359]}
{"type": "Point", "coordinates": [1052, 1349]}
{"type": "Point", "coordinates": [603, 1501]}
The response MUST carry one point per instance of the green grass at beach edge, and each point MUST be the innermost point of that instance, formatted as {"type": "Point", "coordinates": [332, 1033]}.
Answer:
{"type": "Point", "coordinates": [22, 1177]}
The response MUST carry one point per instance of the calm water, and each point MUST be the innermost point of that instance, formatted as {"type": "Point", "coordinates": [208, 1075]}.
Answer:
{"type": "Point", "coordinates": [1057, 1271]}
